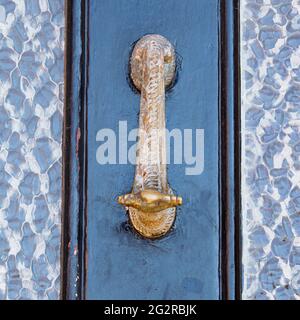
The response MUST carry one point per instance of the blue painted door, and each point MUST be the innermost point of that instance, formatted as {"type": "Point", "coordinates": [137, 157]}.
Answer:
{"type": "Point", "coordinates": [186, 263]}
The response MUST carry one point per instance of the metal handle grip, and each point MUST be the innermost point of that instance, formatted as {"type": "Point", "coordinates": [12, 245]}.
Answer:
{"type": "Point", "coordinates": [151, 204]}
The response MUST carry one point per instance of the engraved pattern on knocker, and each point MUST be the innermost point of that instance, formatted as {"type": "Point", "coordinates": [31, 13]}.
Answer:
{"type": "Point", "coordinates": [151, 204]}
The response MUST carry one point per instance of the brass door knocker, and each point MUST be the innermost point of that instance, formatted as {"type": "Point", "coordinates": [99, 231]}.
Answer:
{"type": "Point", "coordinates": [151, 204]}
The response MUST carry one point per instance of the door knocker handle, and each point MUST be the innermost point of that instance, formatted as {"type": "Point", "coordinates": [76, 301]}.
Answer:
{"type": "Point", "coordinates": [151, 204]}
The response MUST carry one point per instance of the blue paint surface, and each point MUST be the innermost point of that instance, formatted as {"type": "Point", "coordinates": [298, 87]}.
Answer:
{"type": "Point", "coordinates": [185, 264]}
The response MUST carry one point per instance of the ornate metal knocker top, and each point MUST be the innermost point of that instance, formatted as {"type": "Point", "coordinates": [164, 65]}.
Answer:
{"type": "Point", "coordinates": [151, 204]}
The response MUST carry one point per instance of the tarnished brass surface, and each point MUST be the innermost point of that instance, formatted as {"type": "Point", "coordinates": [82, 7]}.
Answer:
{"type": "Point", "coordinates": [150, 201]}
{"type": "Point", "coordinates": [151, 204]}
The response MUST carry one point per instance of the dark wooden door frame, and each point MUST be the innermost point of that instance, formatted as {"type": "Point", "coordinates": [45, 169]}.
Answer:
{"type": "Point", "coordinates": [75, 166]}
{"type": "Point", "coordinates": [75, 150]}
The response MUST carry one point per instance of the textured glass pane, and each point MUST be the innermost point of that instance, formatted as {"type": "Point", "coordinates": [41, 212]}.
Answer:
{"type": "Point", "coordinates": [31, 106]}
{"type": "Point", "coordinates": [270, 95]}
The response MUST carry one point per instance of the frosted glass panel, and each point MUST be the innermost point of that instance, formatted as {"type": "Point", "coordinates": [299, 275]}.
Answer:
{"type": "Point", "coordinates": [270, 96]}
{"type": "Point", "coordinates": [31, 110]}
